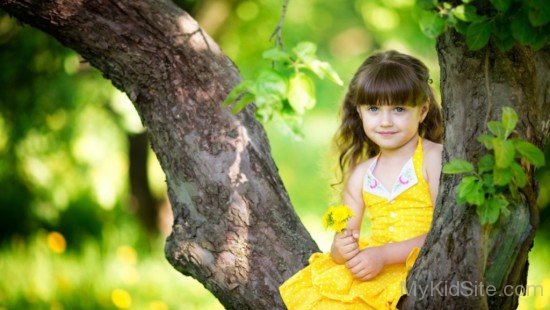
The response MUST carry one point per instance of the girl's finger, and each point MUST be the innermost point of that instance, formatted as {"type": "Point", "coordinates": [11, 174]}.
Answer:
{"type": "Point", "coordinates": [353, 253]}
{"type": "Point", "coordinates": [357, 269]}
{"type": "Point", "coordinates": [349, 247]}
{"type": "Point", "coordinates": [348, 240]}
{"type": "Point", "coordinates": [361, 274]}
{"type": "Point", "coordinates": [343, 234]}
{"type": "Point", "coordinates": [351, 263]}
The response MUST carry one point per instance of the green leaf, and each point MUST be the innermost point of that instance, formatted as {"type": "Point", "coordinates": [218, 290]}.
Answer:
{"type": "Point", "coordinates": [431, 24]}
{"type": "Point", "coordinates": [301, 93]}
{"type": "Point", "coordinates": [497, 129]}
{"type": "Point", "coordinates": [466, 13]}
{"type": "Point", "coordinates": [539, 39]}
{"type": "Point", "coordinates": [236, 92]}
{"type": "Point", "coordinates": [305, 51]}
{"type": "Point", "coordinates": [521, 28]}
{"type": "Point", "coordinates": [471, 189]}
{"type": "Point", "coordinates": [458, 166]}
{"type": "Point", "coordinates": [530, 152]}
{"type": "Point", "coordinates": [322, 69]}
{"type": "Point", "coordinates": [270, 82]}
{"type": "Point", "coordinates": [426, 4]}
{"type": "Point", "coordinates": [491, 209]}
{"type": "Point", "coordinates": [488, 183]}
{"type": "Point", "coordinates": [513, 190]}
{"type": "Point", "coordinates": [461, 27]}
{"type": "Point", "coordinates": [243, 102]}
{"type": "Point", "coordinates": [467, 186]}
{"type": "Point", "coordinates": [502, 35]}
{"type": "Point", "coordinates": [486, 163]}
{"type": "Point", "coordinates": [509, 120]}
{"type": "Point", "coordinates": [276, 54]}
{"type": "Point", "coordinates": [503, 203]}
{"type": "Point", "coordinates": [478, 33]}
{"type": "Point", "coordinates": [519, 175]}
{"type": "Point", "coordinates": [477, 196]}
{"type": "Point", "coordinates": [502, 176]}
{"type": "Point", "coordinates": [501, 5]}
{"type": "Point", "coordinates": [504, 152]}
{"type": "Point", "coordinates": [486, 140]}
{"type": "Point", "coordinates": [539, 13]}
{"type": "Point", "coordinates": [505, 43]}
{"type": "Point", "coordinates": [264, 114]}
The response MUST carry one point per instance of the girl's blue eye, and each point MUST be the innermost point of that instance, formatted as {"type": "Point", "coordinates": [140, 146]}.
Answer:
{"type": "Point", "coordinates": [372, 109]}
{"type": "Point", "coordinates": [399, 109]}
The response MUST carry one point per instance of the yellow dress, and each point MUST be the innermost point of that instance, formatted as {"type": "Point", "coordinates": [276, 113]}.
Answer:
{"type": "Point", "coordinates": [404, 212]}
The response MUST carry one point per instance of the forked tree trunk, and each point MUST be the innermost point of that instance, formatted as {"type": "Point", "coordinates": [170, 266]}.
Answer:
{"type": "Point", "coordinates": [475, 86]}
{"type": "Point", "coordinates": [234, 228]}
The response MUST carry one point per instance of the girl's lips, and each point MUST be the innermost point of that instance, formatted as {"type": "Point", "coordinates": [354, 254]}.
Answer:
{"type": "Point", "coordinates": [386, 133]}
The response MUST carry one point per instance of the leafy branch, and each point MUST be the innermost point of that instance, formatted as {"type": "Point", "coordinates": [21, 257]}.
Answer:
{"type": "Point", "coordinates": [505, 22]}
{"type": "Point", "coordinates": [498, 175]}
{"type": "Point", "coordinates": [285, 91]}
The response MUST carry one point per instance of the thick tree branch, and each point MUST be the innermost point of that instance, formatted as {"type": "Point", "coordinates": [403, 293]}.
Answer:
{"type": "Point", "coordinates": [234, 229]}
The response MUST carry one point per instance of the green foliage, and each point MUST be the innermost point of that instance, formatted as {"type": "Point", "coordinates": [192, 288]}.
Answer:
{"type": "Point", "coordinates": [505, 22]}
{"type": "Point", "coordinates": [37, 276]}
{"type": "Point", "coordinates": [498, 175]}
{"type": "Point", "coordinates": [286, 92]}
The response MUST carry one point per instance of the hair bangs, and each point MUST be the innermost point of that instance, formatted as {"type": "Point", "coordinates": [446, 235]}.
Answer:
{"type": "Point", "coordinates": [389, 83]}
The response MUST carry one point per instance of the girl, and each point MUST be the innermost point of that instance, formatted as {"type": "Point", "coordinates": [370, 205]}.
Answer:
{"type": "Point", "coordinates": [389, 116]}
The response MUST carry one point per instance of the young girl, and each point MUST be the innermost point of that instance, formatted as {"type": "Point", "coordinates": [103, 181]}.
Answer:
{"type": "Point", "coordinates": [389, 116]}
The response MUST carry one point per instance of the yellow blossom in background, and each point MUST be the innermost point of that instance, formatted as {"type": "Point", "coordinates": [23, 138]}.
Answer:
{"type": "Point", "coordinates": [57, 242]}
{"type": "Point", "coordinates": [158, 305]}
{"type": "Point", "coordinates": [127, 254]}
{"type": "Point", "coordinates": [121, 299]}
{"type": "Point", "coordinates": [336, 217]}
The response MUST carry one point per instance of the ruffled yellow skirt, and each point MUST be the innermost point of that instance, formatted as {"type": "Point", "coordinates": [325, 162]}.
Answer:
{"type": "Point", "coordinates": [323, 284]}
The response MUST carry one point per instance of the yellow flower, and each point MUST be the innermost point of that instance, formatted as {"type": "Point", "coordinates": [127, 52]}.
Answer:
{"type": "Point", "coordinates": [341, 213]}
{"type": "Point", "coordinates": [339, 226]}
{"type": "Point", "coordinates": [336, 217]}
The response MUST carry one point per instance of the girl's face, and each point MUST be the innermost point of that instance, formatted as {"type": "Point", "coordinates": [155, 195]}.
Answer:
{"type": "Point", "coordinates": [390, 127]}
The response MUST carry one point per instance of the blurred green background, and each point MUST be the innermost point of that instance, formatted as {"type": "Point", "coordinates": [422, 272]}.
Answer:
{"type": "Point", "coordinates": [83, 210]}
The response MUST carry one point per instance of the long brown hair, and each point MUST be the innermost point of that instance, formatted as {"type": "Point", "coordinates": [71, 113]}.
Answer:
{"type": "Point", "coordinates": [385, 78]}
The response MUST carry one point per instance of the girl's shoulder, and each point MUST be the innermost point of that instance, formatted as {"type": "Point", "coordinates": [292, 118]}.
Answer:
{"type": "Point", "coordinates": [358, 172]}
{"type": "Point", "coordinates": [431, 149]}
{"type": "Point", "coordinates": [433, 153]}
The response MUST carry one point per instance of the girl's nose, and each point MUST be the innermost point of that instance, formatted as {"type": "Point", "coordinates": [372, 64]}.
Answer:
{"type": "Point", "coordinates": [386, 119]}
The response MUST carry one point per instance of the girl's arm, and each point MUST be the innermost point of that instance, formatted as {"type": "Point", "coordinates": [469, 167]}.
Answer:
{"type": "Point", "coordinates": [353, 198]}
{"type": "Point", "coordinates": [394, 253]}
{"type": "Point", "coordinates": [398, 252]}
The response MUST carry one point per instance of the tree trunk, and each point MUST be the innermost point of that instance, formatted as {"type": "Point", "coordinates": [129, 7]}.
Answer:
{"type": "Point", "coordinates": [475, 86]}
{"type": "Point", "coordinates": [234, 228]}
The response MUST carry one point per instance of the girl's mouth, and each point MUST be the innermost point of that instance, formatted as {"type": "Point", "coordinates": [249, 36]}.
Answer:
{"type": "Point", "coordinates": [386, 133]}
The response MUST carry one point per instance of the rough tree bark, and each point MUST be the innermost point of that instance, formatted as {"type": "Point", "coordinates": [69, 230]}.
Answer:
{"type": "Point", "coordinates": [234, 228]}
{"type": "Point", "coordinates": [474, 87]}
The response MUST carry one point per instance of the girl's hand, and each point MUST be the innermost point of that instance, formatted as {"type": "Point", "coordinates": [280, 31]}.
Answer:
{"type": "Point", "coordinates": [345, 244]}
{"type": "Point", "coordinates": [367, 264]}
